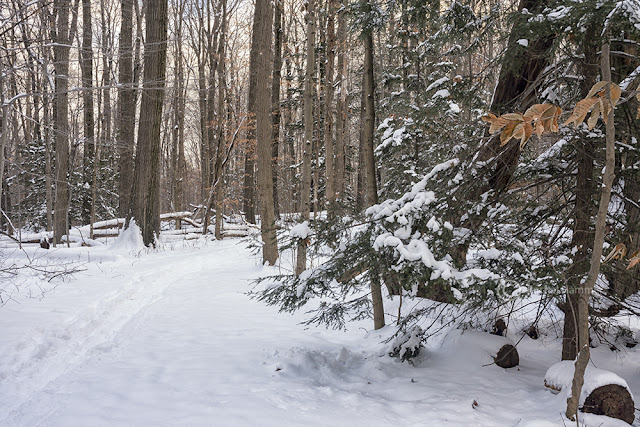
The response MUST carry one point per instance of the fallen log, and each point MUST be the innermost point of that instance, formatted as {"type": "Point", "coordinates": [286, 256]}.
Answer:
{"type": "Point", "coordinates": [507, 356]}
{"type": "Point", "coordinates": [109, 223]}
{"type": "Point", "coordinates": [235, 233]}
{"type": "Point", "coordinates": [175, 215]}
{"type": "Point", "coordinates": [192, 222]}
{"type": "Point", "coordinates": [603, 392]}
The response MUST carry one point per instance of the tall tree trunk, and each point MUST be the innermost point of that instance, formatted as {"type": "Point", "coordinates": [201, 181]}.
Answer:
{"type": "Point", "coordinates": [106, 133]}
{"type": "Point", "coordinates": [361, 174]}
{"type": "Point", "coordinates": [212, 46]}
{"type": "Point", "coordinates": [289, 137]}
{"type": "Point", "coordinates": [249, 163]}
{"type": "Point", "coordinates": [204, 134]}
{"type": "Point", "coordinates": [328, 108]}
{"type": "Point", "coordinates": [305, 194]}
{"type": "Point", "coordinates": [368, 86]}
{"type": "Point", "coordinates": [586, 288]}
{"type": "Point", "coordinates": [585, 191]}
{"type": "Point", "coordinates": [218, 194]}
{"type": "Point", "coordinates": [146, 206]}
{"type": "Point", "coordinates": [61, 120]}
{"type": "Point", "coordinates": [126, 107]}
{"type": "Point", "coordinates": [342, 107]}
{"type": "Point", "coordinates": [178, 152]}
{"type": "Point", "coordinates": [261, 60]}
{"type": "Point", "coordinates": [46, 102]}
{"type": "Point", "coordinates": [86, 66]}
{"type": "Point", "coordinates": [4, 130]}
{"type": "Point", "coordinates": [275, 97]}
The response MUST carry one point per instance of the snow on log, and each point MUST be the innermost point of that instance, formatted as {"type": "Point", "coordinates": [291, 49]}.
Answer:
{"type": "Point", "coordinates": [603, 392]}
{"type": "Point", "coordinates": [174, 215]}
{"type": "Point", "coordinates": [186, 230]}
{"type": "Point", "coordinates": [192, 222]}
{"type": "Point", "coordinates": [177, 237]}
{"type": "Point", "coordinates": [31, 237]}
{"type": "Point", "coordinates": [109, 223]}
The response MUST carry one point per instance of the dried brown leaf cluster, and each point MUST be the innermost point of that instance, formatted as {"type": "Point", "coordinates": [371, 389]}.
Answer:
{"type": "Point", "coordinates": [619, 252]}
{"type": "Point", "coordinates": [635, 259]}
{"type": "Point", "coordinates": [597, 102]}
{"type": "Point", "coordinates": [543, 118]}
{"type": "Point", "coordinates": [538, 119]}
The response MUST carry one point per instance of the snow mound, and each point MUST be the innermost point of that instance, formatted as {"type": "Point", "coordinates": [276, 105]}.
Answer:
{"type": "Point", "coordinates": [560, 376]}
{"type": "Point", "coordinates": [323, 367]}
{"type": "Point", "coordinates": [300, 231]}
{"type": "Point", "coordinates": [130, 239]}
{"type": "Point", "coordinates": [477, 346]}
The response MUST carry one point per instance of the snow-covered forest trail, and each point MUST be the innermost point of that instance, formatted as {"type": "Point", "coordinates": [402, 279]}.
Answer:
{"type": "Point", "coordinates": [171, 338]}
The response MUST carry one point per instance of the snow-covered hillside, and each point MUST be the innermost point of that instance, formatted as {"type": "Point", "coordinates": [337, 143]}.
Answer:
{"type": "Point", "coordinates": [170, 338]}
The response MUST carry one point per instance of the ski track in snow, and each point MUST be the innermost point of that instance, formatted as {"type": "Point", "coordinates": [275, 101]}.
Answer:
{"type": "Point", "coordinates": [170, 338]}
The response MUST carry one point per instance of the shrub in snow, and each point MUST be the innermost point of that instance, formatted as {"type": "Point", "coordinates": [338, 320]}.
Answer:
{"type": "Point", "coordinates": [407, 346]}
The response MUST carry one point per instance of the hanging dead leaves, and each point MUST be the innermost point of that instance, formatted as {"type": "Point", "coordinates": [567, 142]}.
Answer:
{"type": "Point", "coordinates": [538, 119]}
{"type": "Point", "coordinates": [619, 252]}
{"type": "Point", "coordinates": [543, 118]}
{"type": "Point", "coordinates": [597, 102]}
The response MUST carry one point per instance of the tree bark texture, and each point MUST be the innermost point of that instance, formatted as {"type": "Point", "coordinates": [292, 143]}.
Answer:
{"type": "Point", "coordinates": [261, 50]}
{"type": "Point", "coordinates": [146, 206]}
{"type": "Point", "coordinates": [341, 106]}
{"type": "Point", "coordinates": [275, 97]}
{"type": "Point", "coordinates": [218, 195]}
{"type": "Point", "coordinates": [249, 162]}
{"type": "Point", "coordinates": [594, 270]}
{"type": "Point", "coordinates": [328, 108]}
{"type": "Point", "coordinates": [126, 107]}
{"type": "Point", "coordinates": [61, 119]}
{"type": "Point", "coordinates": [4, 130]}
{"type": "Point", "coordinates": [305, 194]}
{"type": "Point", "coordinates": [86, 66]}
{"type": "Point", "coordinates": [585, 191]}
{"type": "Point", "coordinates": [370, 165]}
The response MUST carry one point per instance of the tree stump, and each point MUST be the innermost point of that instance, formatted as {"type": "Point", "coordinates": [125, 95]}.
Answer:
{"type": "Point", "coordinates": [532, 331]}
{"type": "Point", "coordinates": [499, 328]}
{"type": "Point", "coordinates": [44, 243]}
{"type": "Point", "coordinates": [611, 400]}
{"type": "Point", "coordinates": [507, 356]}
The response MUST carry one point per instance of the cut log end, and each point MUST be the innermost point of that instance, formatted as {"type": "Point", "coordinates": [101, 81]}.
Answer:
{"type": "Point", "coordinates": [611, 400]}
{"type": "Point", "coordinates": [507, 356]}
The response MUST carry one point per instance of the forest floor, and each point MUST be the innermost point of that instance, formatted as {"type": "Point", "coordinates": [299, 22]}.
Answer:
{"type": "Point", "coordinates": [170, 337]}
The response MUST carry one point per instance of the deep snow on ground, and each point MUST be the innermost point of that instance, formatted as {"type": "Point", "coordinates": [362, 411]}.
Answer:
{"type": "Point", "coordinates": [169, 337]}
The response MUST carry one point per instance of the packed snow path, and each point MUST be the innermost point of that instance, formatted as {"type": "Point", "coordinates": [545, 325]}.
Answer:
{"type": "Point", "coordinates": [170, 338]}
